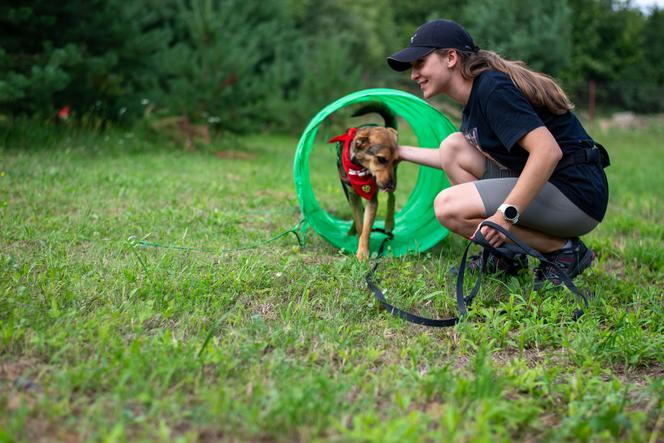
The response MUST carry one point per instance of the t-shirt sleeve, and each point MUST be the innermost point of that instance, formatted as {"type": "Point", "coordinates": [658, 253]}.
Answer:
{"type": "Point", "coordinates": [510, 115]}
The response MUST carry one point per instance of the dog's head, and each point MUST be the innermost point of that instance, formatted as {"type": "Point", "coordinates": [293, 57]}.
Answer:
{"type": "Point", "coordinates": [375, 148]}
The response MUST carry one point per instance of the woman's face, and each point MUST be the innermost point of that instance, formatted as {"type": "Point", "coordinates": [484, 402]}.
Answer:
{"type": "Point", "coordinates": [432, 74]}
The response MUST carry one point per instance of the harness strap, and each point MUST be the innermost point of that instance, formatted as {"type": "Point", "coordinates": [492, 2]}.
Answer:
{"type": "Point", "coordinates": [356, 175]}
{"type": "Point", "coordinates": [595, 154]}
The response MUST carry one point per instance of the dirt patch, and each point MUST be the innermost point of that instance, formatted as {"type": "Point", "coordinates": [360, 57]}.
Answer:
{"type": "Point", "coordinates": [638, 377]}
{"type": "Point", "coordinates": [234, 155]}
{"type": "Point", "coordinates": [630, 120]}
{"type": "Point", "coordinates": [532, 356]}
{"type": "Point", "coordinates": [615, 268]}
{"type": "Point", "coordinates": [20, 374]}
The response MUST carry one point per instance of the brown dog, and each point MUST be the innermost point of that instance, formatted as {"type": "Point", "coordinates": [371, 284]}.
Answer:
{"type": "Point", "coordinates": [367, 159]}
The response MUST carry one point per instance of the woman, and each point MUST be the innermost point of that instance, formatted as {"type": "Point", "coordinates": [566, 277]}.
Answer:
{"type": "Point", "coordinates": [521, 159]}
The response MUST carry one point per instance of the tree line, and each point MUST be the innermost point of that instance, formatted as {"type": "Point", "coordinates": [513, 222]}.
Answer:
{"type": "Point", "coordinates": [240, 64]}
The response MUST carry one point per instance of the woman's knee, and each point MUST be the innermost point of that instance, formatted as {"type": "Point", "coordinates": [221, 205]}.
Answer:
{"type": "Point", "coordinates": [456, 152]}
{"type": "Point", "coordinates": [451, 148]}
{"type": "Point", "coordinates": [458, 207]}
{"type": "Point", "coordinates": [445, 206]}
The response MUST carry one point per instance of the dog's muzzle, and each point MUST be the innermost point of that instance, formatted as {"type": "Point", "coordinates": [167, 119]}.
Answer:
{"type": "Point", "coordinates": [390, 186]}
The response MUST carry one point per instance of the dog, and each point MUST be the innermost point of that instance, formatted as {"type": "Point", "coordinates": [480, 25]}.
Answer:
{"type": "Point", "coordinates": [367, 160]}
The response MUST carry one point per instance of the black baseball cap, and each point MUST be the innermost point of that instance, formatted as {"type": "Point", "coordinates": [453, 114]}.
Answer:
{"type": "Point", "coordinates": [438, 34]}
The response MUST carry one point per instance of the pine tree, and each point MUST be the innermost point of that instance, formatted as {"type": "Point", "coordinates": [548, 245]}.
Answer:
{"type": "Point", "coordinates": [216, 62]}
{"type": "Point", "coordinates": [538, 32]}
{"type": "Point", "coordinates": [93, 56]}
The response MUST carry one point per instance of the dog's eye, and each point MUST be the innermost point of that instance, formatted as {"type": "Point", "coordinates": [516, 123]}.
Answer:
{"type": "Point", "coordinates": [382, 160]}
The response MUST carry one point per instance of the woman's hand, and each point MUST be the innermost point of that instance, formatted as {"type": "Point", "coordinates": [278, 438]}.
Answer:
{"type": "Point", "coordinates": [493, 237]}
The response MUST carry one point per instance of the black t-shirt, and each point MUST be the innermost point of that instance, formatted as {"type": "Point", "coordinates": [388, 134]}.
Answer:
{"type": "Point", "coordinates": [498, 115]}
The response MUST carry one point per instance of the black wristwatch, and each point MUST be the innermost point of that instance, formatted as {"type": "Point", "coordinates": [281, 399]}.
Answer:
{"type": "Point", "coordinates": [511, 213]}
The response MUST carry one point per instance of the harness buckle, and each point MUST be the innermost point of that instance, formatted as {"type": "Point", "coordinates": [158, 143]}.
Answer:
{"type": "Point", "coordinates": [592, 155]}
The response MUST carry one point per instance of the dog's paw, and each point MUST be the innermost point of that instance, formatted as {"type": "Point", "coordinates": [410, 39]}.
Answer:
{"type": "Point", "coordinates": [362, 254]}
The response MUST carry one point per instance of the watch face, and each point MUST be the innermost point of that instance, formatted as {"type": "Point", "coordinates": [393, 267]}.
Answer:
{"type": "Point", "coordinates": [511, 212]}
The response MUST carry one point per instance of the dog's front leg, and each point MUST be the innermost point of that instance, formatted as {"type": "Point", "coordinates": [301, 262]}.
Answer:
{"type": "Point", "coordinates": [389, 217]}
{"type": "Point", "coordinates": [370, 210]}
{"type": "Point", "coordinates": [355, 202]}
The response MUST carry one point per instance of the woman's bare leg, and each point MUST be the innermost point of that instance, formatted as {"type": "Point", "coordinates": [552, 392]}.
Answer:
{"type": "Point", "coordinates": [461, 161]}
{"type": "Point", "coordinates": [460, 209]}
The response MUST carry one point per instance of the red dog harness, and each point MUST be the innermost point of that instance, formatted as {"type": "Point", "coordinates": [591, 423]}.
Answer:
{"type": "Point", "coordinates": [359, 177]}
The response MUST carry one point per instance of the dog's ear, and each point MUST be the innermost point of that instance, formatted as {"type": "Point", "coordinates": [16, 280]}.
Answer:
{"type": "Point", "coordinates": [393, 132]}
{"type": "Point", "coordinates": [361, 138]}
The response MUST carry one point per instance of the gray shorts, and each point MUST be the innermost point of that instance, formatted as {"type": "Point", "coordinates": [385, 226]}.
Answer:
{"type": "Point", "coordinates": [550, 212]}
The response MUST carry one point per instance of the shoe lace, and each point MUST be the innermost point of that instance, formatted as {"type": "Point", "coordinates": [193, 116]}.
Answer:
{"type": "Point", "coordinates": [547, 271]}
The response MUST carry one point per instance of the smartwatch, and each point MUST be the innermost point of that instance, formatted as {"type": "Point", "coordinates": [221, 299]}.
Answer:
{"type": "Point", "coordinates": [511, 213]}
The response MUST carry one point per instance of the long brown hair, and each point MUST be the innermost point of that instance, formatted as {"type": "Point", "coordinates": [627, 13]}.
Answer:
{"type": "Point", "coordinates": [540, 89]}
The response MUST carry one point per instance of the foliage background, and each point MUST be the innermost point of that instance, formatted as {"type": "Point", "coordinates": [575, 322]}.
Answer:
{"type": "Point", "coordinates": [273, 64]}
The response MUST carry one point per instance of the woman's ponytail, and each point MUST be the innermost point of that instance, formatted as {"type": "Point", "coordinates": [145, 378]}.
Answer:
{"type": "Point", "coordinates": [540, 89]}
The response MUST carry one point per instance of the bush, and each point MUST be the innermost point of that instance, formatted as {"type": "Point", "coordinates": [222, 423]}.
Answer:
{"type": "Point", "coordinates": [273, 64]}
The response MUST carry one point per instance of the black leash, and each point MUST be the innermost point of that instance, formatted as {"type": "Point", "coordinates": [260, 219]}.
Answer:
{"type": "Point", "coordinates": [408, 316]}
{"type": "Point", "coordinates": [507, 250]}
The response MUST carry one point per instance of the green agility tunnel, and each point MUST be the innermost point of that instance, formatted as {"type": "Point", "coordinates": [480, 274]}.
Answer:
{"type": "Point", "coordinates": [416, 227]}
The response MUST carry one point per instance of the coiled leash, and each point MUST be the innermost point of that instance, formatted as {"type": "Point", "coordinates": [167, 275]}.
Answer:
{"type": "Point", "coordinates": [507, 250]}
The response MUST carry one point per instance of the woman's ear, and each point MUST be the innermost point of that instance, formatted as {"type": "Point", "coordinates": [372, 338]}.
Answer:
{"type": "Point", "coordinates": [452, 58]}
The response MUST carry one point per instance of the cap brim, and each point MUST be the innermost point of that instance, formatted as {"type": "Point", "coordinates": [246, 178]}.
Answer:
{"type": "Point", "coordinates": [401, 61]}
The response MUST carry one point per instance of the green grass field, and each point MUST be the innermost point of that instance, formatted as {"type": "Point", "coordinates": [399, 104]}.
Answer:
{"type": "Point", "coordinates": [105, 340]}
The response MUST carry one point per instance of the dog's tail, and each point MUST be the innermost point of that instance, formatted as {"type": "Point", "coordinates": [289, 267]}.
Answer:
{"type": "Point", "coordinates": [381, 109]}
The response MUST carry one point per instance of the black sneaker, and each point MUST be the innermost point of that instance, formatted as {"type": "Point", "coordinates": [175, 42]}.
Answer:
{"type": "Point", "coordinates": [573, 260]}
{"type": "Point", "coordinates": [496, 264]}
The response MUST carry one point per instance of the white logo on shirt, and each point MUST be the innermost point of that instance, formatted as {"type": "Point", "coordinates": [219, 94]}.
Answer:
{"type": "Point", "coordinates": [472, 138]}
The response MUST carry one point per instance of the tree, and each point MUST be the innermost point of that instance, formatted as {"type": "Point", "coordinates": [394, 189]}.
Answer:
{"type": "Point", "coordinates": [275, 63]}
{"type": "Point", "coordinates": [410, 14]}
{"type": "Point", "coordinates": [641, 83]}
{"type": "Point", "coordinates": [91, 55]}
{"type": "Point", "coordinates": [231, 62]}
{"type": "Point", "coordinates": [535, 32]}
{"type": "Point", "coordinates": [608, 43]}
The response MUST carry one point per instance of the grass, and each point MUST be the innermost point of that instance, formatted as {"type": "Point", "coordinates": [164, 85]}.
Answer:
{"type": "Point", "coordinates": [104, 340]}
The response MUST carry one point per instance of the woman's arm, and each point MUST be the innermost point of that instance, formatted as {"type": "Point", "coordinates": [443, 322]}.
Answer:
{"type": "Point", "coordinates": [543, 156]}
{"type": "Point", "coordinates": [421, 156]}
